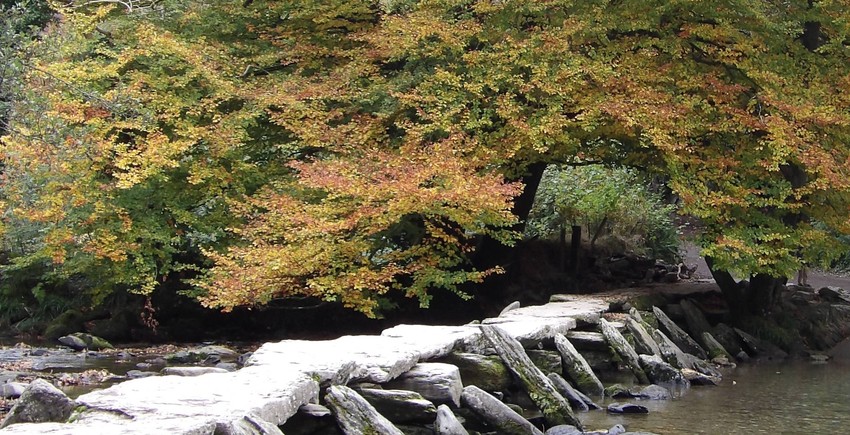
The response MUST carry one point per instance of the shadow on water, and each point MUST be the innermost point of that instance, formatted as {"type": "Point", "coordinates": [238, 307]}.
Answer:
{"type": "Point", "coordinates": [772, 398]}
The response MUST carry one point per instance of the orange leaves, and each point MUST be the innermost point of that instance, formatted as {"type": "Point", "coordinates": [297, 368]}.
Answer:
{"type": "Point", "coordinates": [353, 226]}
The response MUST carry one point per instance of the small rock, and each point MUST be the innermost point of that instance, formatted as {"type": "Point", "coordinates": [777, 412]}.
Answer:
{"type": "Point", "coordinates": [229, 366]}
{"type": "Point", "coordinates": [618, 391]}
{"type": "Point", "coordinates": [697, 378]}
{"type": "Point", "coordinates": [73, 342]}
{"type": "Point", "coordinates": [181, 357]}
{"type": "Point", "coordinates": [136, 374]}
{"type": "Point", "coordinates": [627, 408]}
{"type": "Point", "coordinates": [655, 392]}
{"type": "Point", "coordinates": [12, 390]}
{"type": "Point", "coordinates": [143, 366]}
{"type": "Point", "coordinates": [563, 429]}
{"type": "Point", "coordinates": [191, 371]}
{"type": "Point", "coordinates": [38, 352]}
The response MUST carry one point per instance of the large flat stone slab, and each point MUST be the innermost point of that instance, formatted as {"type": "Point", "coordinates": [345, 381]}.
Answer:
{"type": "Point", "coordinates": [183, 426]}
{"type": "Point", "coordinates": [370, 358]}
{"type": "Point", "coordinates": [224, 398]}
{"type": "Point", "coordinates": [436, 341]}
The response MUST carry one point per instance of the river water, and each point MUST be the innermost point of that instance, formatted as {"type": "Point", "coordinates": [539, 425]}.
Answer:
{"type": "Point", "coordinates": [765, 398]}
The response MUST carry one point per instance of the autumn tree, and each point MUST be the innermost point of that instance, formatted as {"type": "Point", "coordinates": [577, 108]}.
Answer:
{"type": "Point", "coordinates": [340, 149]}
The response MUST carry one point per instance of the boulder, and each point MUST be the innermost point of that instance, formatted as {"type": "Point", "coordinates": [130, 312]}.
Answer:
{"type": "Point", "coordinates": [627, 408]}
{"type": "Point", "coordinates": [760, 348]}
{"type": "Point", "coordinates": [73, 342]}
{"type": "Point", "coordinates": [563, 429]}
{"type": "Point", "coordinates": [703, 367]}
{"type": "Point", "coordinates": [400, 406]}
{"type": "Point", "coordinates": [355, 415]}
{"type": "Point", "coordinates": [659, 372]}
{"type": "Point", "coordinates": [578, 369]}
{"type": "Point", "coordinates": [578, 400]}
{"type": "Point", "coordinates": [548, 361]}
{"type": "Point", "coordinates": [587, 340]}
{"type": "Point", "coordinates": [834, 295]}
{"type": "Point", "coordinates": [654, 392]}
{"type": "Point", "coordinates": [728, 338]}
{"type": "Point", "coordinates": [65, 324]}
{"type": "Point", "coordinates": [81, 340]}
{"type": "Point", "coordinates": [191, 371]}
{"type": "Point", "coordinates": [555, 408]}
{"type": "Point", "coordinates": [695, 319]}
{"type": "Point", "coordinates": [40, 402]}
{"type": "Point", "coordinates": [209, 353]}
{"type": "Point", "coordinates": [229, 366]}
{"type": "Point", "coordinates": [697, 378]}
{"type": "Point", "coordinates": [497, 415]}
{"type": "Point", "coordinates": [624, 349]}
{"type": "Point", "coordinates": [713, 347]}
{"type": "Point", "coordinates": [677, 335]}
{"type": "Point", "coordinates": [841, 351]}
{"type": "Point", "coordinates": [643, 341]}
{"type": "Point", "coordinates": [438, 382]}
{"type": "Point", "coordinates": [619, 391]}
{"type": "Point", "coordinates": [153, 404]}
{"type": "Point", "coordinates": [669, 351]}
{"type": "Point", "coordinates": [118, 326]}
{"type": "Point", "coordinates": [487, 372]}
{"type": "Point", "coordinates": [635, 314]}
{"type": "Point", "coordinates": [447, 423]}
{"type": "Point", "coordinates": [136, 374]}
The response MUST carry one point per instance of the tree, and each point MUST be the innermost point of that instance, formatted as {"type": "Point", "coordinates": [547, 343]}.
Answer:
{"type": "Point", "coordinates": [354, 146]}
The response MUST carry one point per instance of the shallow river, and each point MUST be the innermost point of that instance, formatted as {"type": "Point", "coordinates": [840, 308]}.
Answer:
{"type": "Point", "coordinates": [768, 398]}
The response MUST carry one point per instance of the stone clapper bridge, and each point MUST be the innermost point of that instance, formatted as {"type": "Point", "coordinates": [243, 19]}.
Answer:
{"type": "Point", "coordinates": [281, 377]}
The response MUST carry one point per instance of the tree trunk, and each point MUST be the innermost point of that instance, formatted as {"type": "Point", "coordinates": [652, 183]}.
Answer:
{"type": "Point", "coordinates": [764, 292]}
{"type": "Point", "coordinates": [491, 253]}
{"type": "Point", "coordinates": [757, 297]}
{"type": "Point", "coordinates": [732, 292]}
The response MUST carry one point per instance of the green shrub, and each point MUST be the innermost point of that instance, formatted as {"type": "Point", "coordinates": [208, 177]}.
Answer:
{"type": "Point", "coordinates": [615, 206]}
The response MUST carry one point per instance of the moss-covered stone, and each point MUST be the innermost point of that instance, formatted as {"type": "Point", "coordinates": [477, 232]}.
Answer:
{"type": "Point", "coordinates": [487, 372]}
{"type": "Point", "coordinates": [67, 323]}
{"type": "Point", "coordinates": [624, 349]}
{"type": "Point", "coordinates": [555, 408]}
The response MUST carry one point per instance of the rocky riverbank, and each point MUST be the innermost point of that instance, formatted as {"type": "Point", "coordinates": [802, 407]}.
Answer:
{"type": "Point", "coordinates": [528, 370]}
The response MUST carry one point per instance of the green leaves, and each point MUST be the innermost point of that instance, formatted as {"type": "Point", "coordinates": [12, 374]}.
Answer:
{"type": "Point", "coordinates": [340, 149]}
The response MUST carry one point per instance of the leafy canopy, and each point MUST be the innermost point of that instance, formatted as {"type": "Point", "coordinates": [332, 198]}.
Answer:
{"type": "Point", "coordinates": [339, 149]}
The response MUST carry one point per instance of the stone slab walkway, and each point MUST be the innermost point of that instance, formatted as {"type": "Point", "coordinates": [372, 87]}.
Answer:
{"type": "Point", "coordinates": [282, 376]}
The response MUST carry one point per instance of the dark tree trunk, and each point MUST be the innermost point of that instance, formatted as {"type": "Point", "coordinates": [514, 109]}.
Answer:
{"type": "Point", "coordinates": [734, 295]}
{"type": "Point", "coordinates": [756, 297]}
{"type": "Point", "coordinates": [491, 253]}
{"type": "Point", "coordinates": [764, 291]}
{"type": "Point", "coordinates": [575, 250]}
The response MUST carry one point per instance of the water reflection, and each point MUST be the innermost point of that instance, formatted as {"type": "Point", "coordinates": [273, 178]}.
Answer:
{"type": "Point", "coordinates": [789, 398]}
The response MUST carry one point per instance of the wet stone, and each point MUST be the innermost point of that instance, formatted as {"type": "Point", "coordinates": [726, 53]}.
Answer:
{"type": "Point", "coordinates": [627, 408]}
